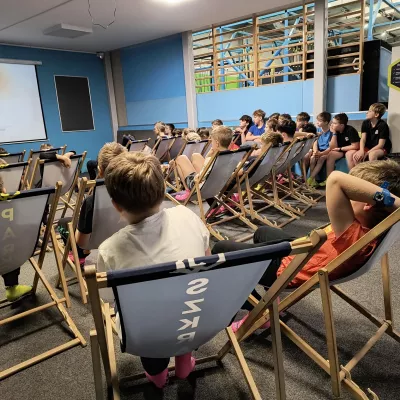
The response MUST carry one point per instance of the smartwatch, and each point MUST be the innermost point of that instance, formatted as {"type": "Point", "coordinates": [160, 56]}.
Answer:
{"type": "Point", "coordinates": [383, 199]}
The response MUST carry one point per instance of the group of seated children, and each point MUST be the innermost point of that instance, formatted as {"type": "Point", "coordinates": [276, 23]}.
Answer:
{"type": "Point", "coordinates": [136, 185]}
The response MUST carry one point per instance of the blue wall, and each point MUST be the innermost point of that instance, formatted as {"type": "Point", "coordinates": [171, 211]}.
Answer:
{"type": "Point", "coordinates": [75, 64]}
{"type": "Point", "coordinates": [293, 97]}
{"type": "Point", "coordinates": [154, 83]}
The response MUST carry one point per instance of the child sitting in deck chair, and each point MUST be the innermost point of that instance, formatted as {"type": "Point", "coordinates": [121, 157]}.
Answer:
{"type": "Point", "coordinates": [14, 291]}
{"type": "Point", "coordinates": [221, 138]}
{"type": "Point", "coordinates": [356, 202]}
{"type": "Point", "coordinates": [136, 186]}
{"type": "Point", "coordinates": [287, 129]}
{"type": "Point", "coordinates": [85, 222]}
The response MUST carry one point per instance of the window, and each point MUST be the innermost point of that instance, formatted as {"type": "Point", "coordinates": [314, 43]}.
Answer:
{"type": "Point", "coordinates": [276, 48]}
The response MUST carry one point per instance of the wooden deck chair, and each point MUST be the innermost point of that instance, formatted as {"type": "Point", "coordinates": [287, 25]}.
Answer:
{"type": "Point", "coordinates": [20, 220]}
{"type": "Point", "coordinates": [258, 177]}
{"type": "Point", "coordinates": [235, 137]}
{"type": "Point", "coordinates": [14, 176]}
{"type": "Point", "coordinates": [54, 171]}
{"type": "Point", "coordinates": [12, 158]}
{"type": "Point", "coordinates": [33, 176]}
{"type": "Point", "coordinates": [176, 147]}
{"type": "Point", "coordinates": [188, 149]}
{"type": "Point", "coordinates": [295, 185]}
{"type": "Point", "coordinates": [140, 292]}
{"type": "Point", "coordinates": [106, 222]}
{"type": "Point", "coordinates": [220, 172]}
{"type": "Point", "coordinates": [280, 192]}
{"type": "Point", "coordinates": [137, 145]}
{"type": "Point", "coordinates": [160, 149]}
{"type": "Point", "coordinates": [388, 231]}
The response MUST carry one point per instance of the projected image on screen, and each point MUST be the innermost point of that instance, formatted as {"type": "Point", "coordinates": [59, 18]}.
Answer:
{"type": "Point", "coordinates": [74, 103]}
{"type": "Point", "coordinates": [21, 117]}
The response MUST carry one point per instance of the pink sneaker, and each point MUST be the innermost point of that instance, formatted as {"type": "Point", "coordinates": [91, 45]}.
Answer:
{"type": "Point", "coordinates": [159, 380]}
{"type": "Point", "coordinates": [183, 196]}
{"type": "Point", "coordinates": [236, 325]}
{"type": "Point", "coordinates": [184, 365]}
{"type": "Point", "coordinates": [235, 197]}
{"type": "Point", "coordinates": [81, 260]}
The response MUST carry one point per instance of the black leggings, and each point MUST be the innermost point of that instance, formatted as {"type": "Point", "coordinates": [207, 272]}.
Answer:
{"type": "Point", "coordinates": [154, 366]}
{"type": "Point", "coordinates": [263, 236]}
{"type": "Point", "coordinates": [92, 169]}
{"type": "Point", "coordinates": [64, 233]}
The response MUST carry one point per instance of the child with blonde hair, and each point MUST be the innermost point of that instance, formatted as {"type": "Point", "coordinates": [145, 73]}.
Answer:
{"type": "Point", "coordinates": [153, 235]}
{"type": "Point", "coordinates": [160, 129]}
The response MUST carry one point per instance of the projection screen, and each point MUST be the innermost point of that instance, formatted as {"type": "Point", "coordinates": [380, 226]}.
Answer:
{"type": "Point", "coordinates": [21, 115]}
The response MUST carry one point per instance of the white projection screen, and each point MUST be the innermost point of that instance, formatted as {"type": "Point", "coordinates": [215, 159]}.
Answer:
{"type": "Point", "coordinates": [21, 115]}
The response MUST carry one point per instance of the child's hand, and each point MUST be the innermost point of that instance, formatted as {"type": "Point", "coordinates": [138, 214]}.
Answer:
{"type": "Point", "coordinates": [359, 155]}
{"type": "Point", "coordinates": [336, 149]}
{"type": "Point", "coordinates": [65, 161]}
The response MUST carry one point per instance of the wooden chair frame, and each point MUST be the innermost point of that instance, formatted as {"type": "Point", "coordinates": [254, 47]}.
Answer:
{"type": "Point", "coordinates": [14, 165]}
{"type": "Point", "coordinates": [102, 345]}
{"type": "Point", "coordinates": [55, 300]}
{"type": "Point", "coordinates": [341, 374]}
{"type": "Point", "coordinates": [30, 173]}
{"type": "Point", "coordinates": [144, 141]}
{"type": "Point", "coordinates": [21, 156]}
{"type": "Point", "coordinates": [220, 199]}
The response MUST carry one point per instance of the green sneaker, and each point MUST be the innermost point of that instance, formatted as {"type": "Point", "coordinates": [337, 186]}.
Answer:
{"type": "Point", "coordinates": [322, 184]}
{"type": "Point", "coordinates": [312, 182]}
{"type": "Point", "coordinates": [17, 292]}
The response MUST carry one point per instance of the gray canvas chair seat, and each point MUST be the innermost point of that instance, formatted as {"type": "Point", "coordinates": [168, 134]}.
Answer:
{"type": "Point", "coordinates": [21, 216]}
{"type": "Point", "coordinates": [12, 158]}
{"type": "Point", "coordinates": [137, 145]}
{"type": "Point", "coordinates": [106, 219]}
{"type": "Point", "coordinates": [194, 147]}
{"type": "Point", "coordinates": [308, 145]}
{"type": "Point", "coordinates": [287, 158]}
{"type": "Point", "coordinates": [181, 306]}
{"type": "Point", "coordinates": [34, 156]}
{"type": "Point", "coordinates": [54, 171]}
{"type": "Point", "coordinates": [221, 170]}
{"type": "Point", "coordinates": [176, 147]}
{"type": "Point", "coordinates": [162, 146]}
{"type": "Point", "coordinates": [12, 175]}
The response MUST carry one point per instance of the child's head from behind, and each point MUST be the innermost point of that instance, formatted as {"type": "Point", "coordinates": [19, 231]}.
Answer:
{"type": "Point", "coordinates": [221, 137]}
{"type": "Point", "coordinates": [193, 136]}
{"type": "Point", "coordinates": [376, 110]}
{"type": "Point", "coordinates": [204, 133]}
{"type": "Point", "coordinates": [376, 172]}
{"type": "Point", "coordinates": [3, 150]}
{"type": "Point", "coordinates": [284, 117]}
{"type": "Point", "coordinates": [271, 125]}
{"type": "Point", "coordinates": [216, 122]}
{"type": "Point", "coordinates": [309, 127]}
{"type": "Point", "coordinates": [108, 152]}
{"type": "Point", "coordinates": [323, 119]}
{"type": "Point", "coordinates": [258, 117]}
{"type": "Point", "coordinates": [339, 122]}
{"type": "Point", "coordinates": [274, 116]}
{"type": "Point", "coordinates": [245, 121]}
{"type": "Point", "coordinates": [273, 138]}
{"type": "Point", "coordinates": [287, 129]}
{"type": "Point", "coordinates": [186, 131]}
{"type": "Point", "coordinates": [135, 184]}
{"type": "Point", "coordinates": [45, 146]}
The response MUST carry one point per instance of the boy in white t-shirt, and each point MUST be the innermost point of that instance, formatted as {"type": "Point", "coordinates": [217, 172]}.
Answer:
{"type": "Point", "coordinates": [136, 186]}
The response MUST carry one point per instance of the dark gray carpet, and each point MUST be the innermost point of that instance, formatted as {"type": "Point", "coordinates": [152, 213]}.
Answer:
{"type": "Point", "coordinates": [69, 375]}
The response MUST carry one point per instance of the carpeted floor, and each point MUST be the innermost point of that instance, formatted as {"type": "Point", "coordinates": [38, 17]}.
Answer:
{"type": "Point", "coordinates": [69, 375]}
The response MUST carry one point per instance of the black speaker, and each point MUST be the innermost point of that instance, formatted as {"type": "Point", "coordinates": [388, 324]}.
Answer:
{"type": "Point", "coordinates": [377, 56]}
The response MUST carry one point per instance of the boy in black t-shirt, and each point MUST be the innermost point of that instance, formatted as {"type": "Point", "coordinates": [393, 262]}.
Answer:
{"type": "Point", "coordinates": [345, 138]}
{"type": "Point", "coordinates": [375, 141]}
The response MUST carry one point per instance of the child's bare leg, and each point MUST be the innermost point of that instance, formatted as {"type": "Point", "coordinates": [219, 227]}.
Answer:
{"type": "Point", "coordinates": [185, 168]}
{"type": "Point", "coordinates": [376, 155]}
{"type": "Point", "coordinates": [351, 162]}
{"type": "Point", "coordinates": [197, 161]}
{"type": "Point", "coordinates": [318, 166]}
{"type": "Point", "coordinates": [306, 159]}
{"type": "Point", "coordinates": [330, 161]}
{"type": "Point", "coordinates": [313, 162]}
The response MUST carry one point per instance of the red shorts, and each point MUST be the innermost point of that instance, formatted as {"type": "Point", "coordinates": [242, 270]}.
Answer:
{"type": "Point", "coordinates": [366, 149]}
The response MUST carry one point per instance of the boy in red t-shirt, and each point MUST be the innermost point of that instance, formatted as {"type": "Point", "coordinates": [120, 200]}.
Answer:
{"type": "Point", "coordinates": [355, 205]}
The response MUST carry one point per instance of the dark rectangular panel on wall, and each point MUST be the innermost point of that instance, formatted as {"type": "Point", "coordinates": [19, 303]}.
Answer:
{"type": "Point", "coordinates": [74, 103]}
